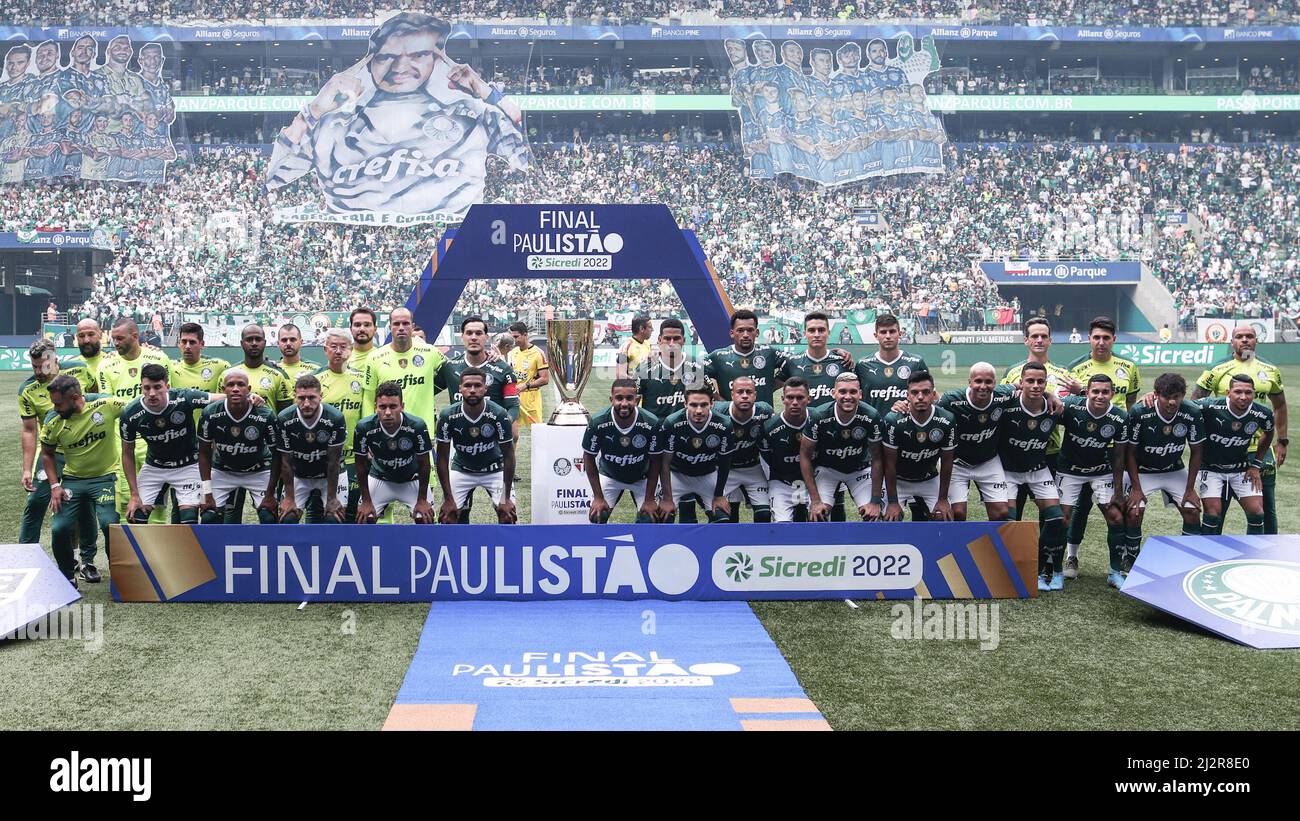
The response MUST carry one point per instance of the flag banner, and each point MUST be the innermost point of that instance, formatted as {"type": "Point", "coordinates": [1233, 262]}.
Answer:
{"type": "Point", "coordinates": [295, 563]}
{"type": "Point", "coordinates": [404, 132]}
{"type": "Point", "coordinates": [84, 112]}
{"type": "Point", "coordinates": [1218, 329]}
{"type": "Point", "coordinates": [31, 587]}
{"type": "Point", "coordinates": [845, 120]}
{"type": "Point", "coordinates": [1244, 588]}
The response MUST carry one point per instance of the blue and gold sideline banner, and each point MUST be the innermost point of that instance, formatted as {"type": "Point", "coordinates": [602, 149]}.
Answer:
{"type": "Point", "coordinates": [1245, 588]}
{"type": "Point", "coordinates": [404, 563]}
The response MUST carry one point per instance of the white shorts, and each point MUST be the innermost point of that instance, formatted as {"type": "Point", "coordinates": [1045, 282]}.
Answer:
{"type": "Point", "coordinates": [224, 485]}
{"type": "Point", "coordinates": [613, 490]}
{"type": "Point", "coordinates": [701, 486]}
{"type": "Point", "coordinates": [302, 489]}
{"type": "Point", "coordinates": [785, 497]}
{"type": "Point", "coordinates": [1174, 483]}
{"type": "Point", "coordinates": [382, 493]}
{"type": "Point", "coordinates": [828, 481]}
{"type": "Point", "coordinates": [1040, 483]}
{"type": "Point", "coordinates": [987, 476]}
{"type": "Point", "coordinates": [927, 492]}
{"type": "Point", "coordinates": [1210, 484]}
{"type": "Point", "coordinates": [151, 480]}
{"type": "Point", "coordinates": [1070, 487]}
{"type": "Point", "coordinates": [748, 482]}
{"type": "Point", "coordinates": [463, 484]}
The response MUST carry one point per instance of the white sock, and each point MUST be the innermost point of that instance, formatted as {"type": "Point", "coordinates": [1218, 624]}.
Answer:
{"type": "Point", "coordinates": [1072, 551]}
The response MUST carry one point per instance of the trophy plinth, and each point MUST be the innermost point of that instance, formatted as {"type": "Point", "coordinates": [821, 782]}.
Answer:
{"type": "Point", "coordinates": [571, 345]}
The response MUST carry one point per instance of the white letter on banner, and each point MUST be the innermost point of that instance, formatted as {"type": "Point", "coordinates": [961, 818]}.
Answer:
{"type": "Point", "coordinates": [428, 564]}
{"type": "Point", "coordinates": [354, 576]}
{"type": "Point", "coordinates": [559, 581]}
{"type": "Point", "coordinates": [444, 572]}
{"type": "Point", "coordinates": [526, 557]}
{"type": "Point", "coordinates": [624, 571]}
{"type": "Point", "coordinates": [309, 584]}
{"type": "Point", "coordinates": [588, 554]}
{"type": "Point", "coordinates": [231, 570]}
{"type": "Point", "coordinates": [500, 581]}
{"type": "Point", "coordinates": [482, 570]}
{"type": "Point", "coordinates": [378, 586]}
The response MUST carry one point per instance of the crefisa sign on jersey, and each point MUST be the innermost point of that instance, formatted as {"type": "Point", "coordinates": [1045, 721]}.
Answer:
{"type": "Point", "coordinates": [561, 562]}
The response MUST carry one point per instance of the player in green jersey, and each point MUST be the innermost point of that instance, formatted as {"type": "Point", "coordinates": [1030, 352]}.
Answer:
{"type": "Point", "coordinates": [237, 451]}
{"type": "Point", "coordinates": [194, 370]}
{"type": "Point", "coordinates": [661, 381]}
{"type": "Point", "coordinates": [746, 479]}
{"type": "Point", "coordinates": [780, 448]}
{"type": "Point", "coordinates": [1229, 462]}
{"type": "Point", "coordinates": [696, 459]}
{"type": "Point", "coordinates": [1092, 457]}
{"type": "Point", "coordinates": [392, 450]}
{"type": "Point", "coordinates": [1157, 437]}
{"type": "Point", "coordinates": [267, 379]}
{"type": "Point", "coordinates": [119, 376]}
{"type": "Point", "coordinates": [1123, 374]}
{"type": "Point", "coordinates": [407, 361]}
{"type": "Point", "coordinates": [744, 358]}
{"type": "Point", "coordinates": [164, 419]}
{"type": "Point", "coordinates": [90, 340]}
{"type": "Point", "coordinates": [344, 387]}
{"type": "Point", "coordinates": [620, 454]}
{"type": "Point", "coordinates": [502, 386]}
{"type": "Point", "coordinates": [841, 446]}
{"type": "Point", "coordinates": [976, 411]}
{"type": "Point", "coordinates": [362, 323]}
{"type": "Point", "coordinates": [289, 340]}
{"type": "Point", "coordinates": [481, 435]}
{"type": "Point", "coordinates": [818, 366]}
{"type": "Point", "coordinates": [883, 375]}
{"type": "Point", "coordinates": [33, 406]}
{"type": "Point", "coordinates": [1060, 381]}
{"type": "Point", "coordinates": [663, 377]}
{"type": "Point", "coordinates": [310, 441]}
{"type": "Point", "coordinates": [1025, 431]}
{"type": "Point", "coordinates": [918, 454]}
{"type": "Point", "coordinates": [83, 427]}
{"type": "Point", "coordinates": [1268, 389]}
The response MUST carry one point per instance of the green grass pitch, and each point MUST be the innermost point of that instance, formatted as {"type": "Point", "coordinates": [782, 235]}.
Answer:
{"type": "Point", "coordinates": [1086, 658]}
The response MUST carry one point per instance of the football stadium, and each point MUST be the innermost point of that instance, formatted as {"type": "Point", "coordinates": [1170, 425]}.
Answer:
{"type": "Point", "coordinates": [987, 310]}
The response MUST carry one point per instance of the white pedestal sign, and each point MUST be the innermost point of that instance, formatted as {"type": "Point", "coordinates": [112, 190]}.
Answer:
{"type": "Point", "coordinates": [561, 492]}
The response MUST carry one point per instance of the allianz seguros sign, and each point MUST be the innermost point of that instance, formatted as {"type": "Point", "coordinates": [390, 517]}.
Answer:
{"type": "Point", "coordinates": [550, 562]}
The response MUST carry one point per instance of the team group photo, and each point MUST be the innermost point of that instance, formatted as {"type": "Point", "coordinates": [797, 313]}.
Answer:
{"type": "Point", "coordinates": [728, 366]}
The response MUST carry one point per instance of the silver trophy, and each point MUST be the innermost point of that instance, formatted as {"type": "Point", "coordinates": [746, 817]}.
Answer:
{"type": "Point", "coordinates": [570, 343]}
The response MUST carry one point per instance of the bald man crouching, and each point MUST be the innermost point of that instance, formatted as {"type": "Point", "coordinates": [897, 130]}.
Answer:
{"type": "Point", "coordinates": [977, 409]}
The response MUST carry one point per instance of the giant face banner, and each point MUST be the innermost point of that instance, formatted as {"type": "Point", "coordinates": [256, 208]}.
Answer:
{"type": "Point", "coordinates": [401, 137]}
{"type": "Point", "coordinates": [79, 118]}
{"type": "Point", "coordinates": [852, 116]}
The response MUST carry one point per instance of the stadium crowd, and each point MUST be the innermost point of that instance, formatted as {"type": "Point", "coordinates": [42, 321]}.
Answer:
{"type": "Point", "coordinates": [205, 240]}
{"type": "Point", "coordinates": [1062, 12]}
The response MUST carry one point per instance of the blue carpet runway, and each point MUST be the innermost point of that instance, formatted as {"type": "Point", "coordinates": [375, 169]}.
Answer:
{"type": "Point", "coordinates": [599, 665]}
